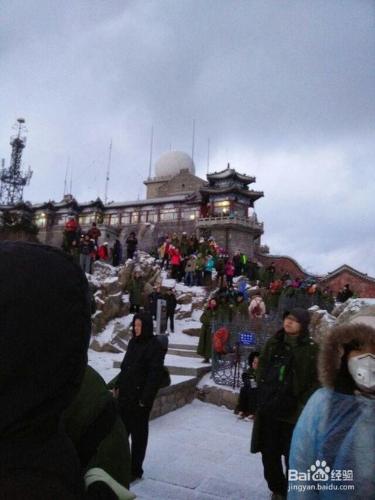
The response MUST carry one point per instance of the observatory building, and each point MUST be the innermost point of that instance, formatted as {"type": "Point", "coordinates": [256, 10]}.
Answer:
{"type": "Point", "coordinates": [222, 206]}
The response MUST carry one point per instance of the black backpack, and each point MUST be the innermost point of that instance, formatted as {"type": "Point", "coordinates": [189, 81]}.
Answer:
{"type": "Point", "coordinates": [166, 378]}
{"type": "Point", "coordinates": [275, 395]}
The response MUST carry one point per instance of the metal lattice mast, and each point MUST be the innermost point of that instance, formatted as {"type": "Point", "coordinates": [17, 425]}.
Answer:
{"type": "Point", "coordinates": [13, 179]}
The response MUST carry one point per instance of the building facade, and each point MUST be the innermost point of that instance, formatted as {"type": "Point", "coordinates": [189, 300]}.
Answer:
{"type": "Point", "coordinates": [177, 201]}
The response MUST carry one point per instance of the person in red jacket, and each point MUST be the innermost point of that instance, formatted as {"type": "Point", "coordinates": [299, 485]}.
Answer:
{"type": "Point", "coordinates": [175, 263]}
{"type": "Point", "coordinates": [229, 272]}
{"type": "Point", "coordinates": [103, 252]}
{"type": "Point", "coordinates": [94, 233]}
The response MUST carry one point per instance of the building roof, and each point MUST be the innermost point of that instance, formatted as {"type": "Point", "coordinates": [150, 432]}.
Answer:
{"type": "Point", "coordinates": [349, 269]}
{"type": "Point", "coordinates": [230, 173]}
{"type": "Point", "coordinates": [152, 201]}
{"type": "Point", "coordinates": [248, 193]}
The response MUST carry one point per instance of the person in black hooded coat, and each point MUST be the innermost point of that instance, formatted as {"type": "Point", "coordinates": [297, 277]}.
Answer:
{"type": "Point", "coordinates": [138, 383]}
{"type": "Point", "coordinates": [45, 322]}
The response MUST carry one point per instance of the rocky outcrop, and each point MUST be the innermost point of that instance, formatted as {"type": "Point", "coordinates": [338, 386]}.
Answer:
{"type": "Point", "coordinates": [358, 310]}
{"type": "Point", "coordinates": [108, 286]}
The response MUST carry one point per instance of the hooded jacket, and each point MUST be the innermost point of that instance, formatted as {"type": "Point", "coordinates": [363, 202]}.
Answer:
{"type": "Point", "coordinates": [44, 333]}
{"type": "Point", "coordinates": [337, 424]}
{"type": "Point", "coordinates": [305, 377]}
{"type": "Point", "coordinates": [142, 366]}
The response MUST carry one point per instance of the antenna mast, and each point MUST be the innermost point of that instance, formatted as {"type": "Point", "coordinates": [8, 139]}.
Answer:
{"type": "Point", "coordinates": [108, 172]}
{"type": "Point", "coordinates": [151, 148]}
{"type": "Point", "coordinates": [193, 142]}
{"type": "Point", "coordinates": [208, 156]}
{"type": "Point", "coordinates": [66, 176]}
{"type": "Point", "coordinates": [13, 180]}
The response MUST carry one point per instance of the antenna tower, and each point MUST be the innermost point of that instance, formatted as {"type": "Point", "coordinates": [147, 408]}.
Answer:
{"type": "Point", "coordinates": [13, 179]}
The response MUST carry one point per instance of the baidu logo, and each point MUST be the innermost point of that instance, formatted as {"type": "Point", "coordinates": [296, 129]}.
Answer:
{"type": "Point", "coordinates": [320, 471]}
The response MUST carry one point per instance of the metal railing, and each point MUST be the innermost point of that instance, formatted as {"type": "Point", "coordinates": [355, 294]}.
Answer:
{"type": "Point", "coordinates": [230, 219]}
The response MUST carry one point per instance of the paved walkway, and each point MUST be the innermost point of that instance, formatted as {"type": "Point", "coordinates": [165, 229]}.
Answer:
{"type": "Point", "coordinates": [201, 452]}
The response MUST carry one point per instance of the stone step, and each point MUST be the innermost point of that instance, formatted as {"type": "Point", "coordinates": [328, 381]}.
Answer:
{"type": "Point", "coordinates": [184, 353]}
{"type": "Point", "coordinates": [189, 370]}
{"type": "Point", "coordinates": [185, 347]}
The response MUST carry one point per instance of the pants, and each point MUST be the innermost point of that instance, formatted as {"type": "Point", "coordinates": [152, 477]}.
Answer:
{"type": "Point", "coordinates": [276, 437]}
{"type": "Point", "coordinates": [199, 278]}
{"type": "Point", "coordinates": [229, 280]}
{"type": "Point", "coordinates": [189, 278]}
{"type": "Point", "coordinates": [85, 262]}
{"type": "Point", "coordinates": [175, 272]}
{"type": "Point", "coordinates": [170, 317]}
{"type": "Point", "coordinates": [135, 419]}
{"type": "Point", "coordinates": [130, 253]}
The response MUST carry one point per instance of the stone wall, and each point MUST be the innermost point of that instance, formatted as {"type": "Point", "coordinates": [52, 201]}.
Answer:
{"type": "Point", "coordinates": [220, 396]}
{"type": "Point", "coordinates": [184, 182]}
{"type": "Point", "coordinates": [361, 286]}
{"type": "Point", "coordinates": [173, 397]}
{"type": "Point", "coordinates": [283, 264]}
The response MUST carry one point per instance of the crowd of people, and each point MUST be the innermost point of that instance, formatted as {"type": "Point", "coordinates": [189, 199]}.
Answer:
{"type": "Point", "coordinates": [64, 435]}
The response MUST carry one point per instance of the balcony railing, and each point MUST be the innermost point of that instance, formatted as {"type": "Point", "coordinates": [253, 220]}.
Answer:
{"type": "Point", "coordinates": [248, 222]}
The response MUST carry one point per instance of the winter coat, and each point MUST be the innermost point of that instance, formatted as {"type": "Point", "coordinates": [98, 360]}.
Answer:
{"type": "Point", "coordinates": [171, 300]}
{"type": "Point", "coordinates": [184, 246]}
{"type": "Point", "coordinates": [220, 266]}
{"type": "Point", "coordinates": [257, 303]}
{"type": "Point", "coordinates": [103, 252]}
{"type": "Point", "coordinates": [190, 266]}
{"type": "Point", "coordinates": [339, 429]}
{"type": "Point", "coordinates": [229, 269]}
{"type": "Point", "coordinates": [305, 379]}
{"type": "Point", "coordinates": [71, 226]}
{"type": "Point", "coordinates": [240, 310]}
{"type": "Point", "coordinates": [209, 265]}
{"type": "Point", "coordinates": [131, 243]}
{"type": "Point", "coordinates": [45, 325]}
{"type": "Point", "coordinates": [93, 424]}
{"type": "Point", "coordinates": [176, 258]}
{"type": "Point", "coordinates": [205, 337]}
{"type": "Point", "coordinates": [153, 301]}
{"type": "Point", "coordinates": [94, 233]}
{"type": "Point", "coordinates": [86, 247]}
{"type": "Point", "coordinates": [135, 289]}
{"type": "Point", "coordinates": [141, 370]}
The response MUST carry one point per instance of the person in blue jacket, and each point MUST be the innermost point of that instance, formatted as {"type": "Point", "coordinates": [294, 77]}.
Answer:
{"type": "Point", "coordinates": [333, 446]}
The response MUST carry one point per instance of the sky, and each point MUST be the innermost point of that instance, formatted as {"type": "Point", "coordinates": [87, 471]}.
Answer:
{"type": "Point", "coordinates": [283, 90]}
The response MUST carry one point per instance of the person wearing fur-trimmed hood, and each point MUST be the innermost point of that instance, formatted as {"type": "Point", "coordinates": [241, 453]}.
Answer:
{"type": "Point", "coordinates": [335, 435]}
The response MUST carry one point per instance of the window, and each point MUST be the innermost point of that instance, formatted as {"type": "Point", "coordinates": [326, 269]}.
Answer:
{"type": "Point", "coordinates": [115, 220]}
{"type": "Point", "coordinates": [143, 216]}
{"type": "Point", "coordinates": [41, 220]}
{"type": "Point", "coordinates": [152, 217]}
{"type": "Point", "coordinates": [169, 214]}
{"type": "Point", "coordinates": [125, 218]}
{"type": "Point", "coordinates": [189, 214]}
{"type": "Point", "coordinates": [135, 217]}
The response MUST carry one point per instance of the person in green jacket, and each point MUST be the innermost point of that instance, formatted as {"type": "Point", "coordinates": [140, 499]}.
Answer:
{"type": "Point", "coordinates": [241, 308]}
{"type": "Point", "coordinates": [286, 378]}
{"type": "Point", "coordinates": [205, 338]}
{"type": "Point", "coordinates": [135, 289]}
{"type": "Point", "coordinates": [95, 427]}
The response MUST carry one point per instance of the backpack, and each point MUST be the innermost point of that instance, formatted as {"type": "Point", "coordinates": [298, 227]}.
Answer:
{"type": "Point", "coordinates": [219, 340]}
{"type": "Point", "coordinates": [276, 397]}
{"type": "Point", "coordinates": [166, 378]}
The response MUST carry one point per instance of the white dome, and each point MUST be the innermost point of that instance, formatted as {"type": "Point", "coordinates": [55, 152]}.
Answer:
{"type": "Point", "coordinates": [172, 162]}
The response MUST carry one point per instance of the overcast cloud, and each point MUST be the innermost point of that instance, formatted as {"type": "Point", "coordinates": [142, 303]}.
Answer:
{"type": "Point", "coordinates": [283, 89]}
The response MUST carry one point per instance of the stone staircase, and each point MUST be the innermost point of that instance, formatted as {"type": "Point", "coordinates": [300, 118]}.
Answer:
{"type": "Point", "coordinates": [182, 359]}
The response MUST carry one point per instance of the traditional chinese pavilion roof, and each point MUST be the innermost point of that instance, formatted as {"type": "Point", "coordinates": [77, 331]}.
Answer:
{"type": "Point", "coordinates": [229, 173]}
{"type": "Point", "coordinates": [247, 193]}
